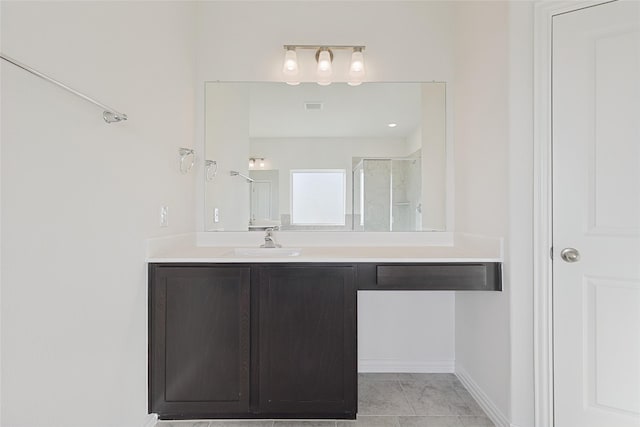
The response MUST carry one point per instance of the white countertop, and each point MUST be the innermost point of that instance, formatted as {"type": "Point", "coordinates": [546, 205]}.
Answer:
{"type": "Point", "coordinates": [463, 250]}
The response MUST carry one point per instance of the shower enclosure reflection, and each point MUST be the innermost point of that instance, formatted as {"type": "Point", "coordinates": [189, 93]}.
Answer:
{"type": "Point", "coordinates": [387, 195]}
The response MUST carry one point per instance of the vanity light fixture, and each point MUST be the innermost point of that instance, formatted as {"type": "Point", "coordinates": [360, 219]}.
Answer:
{"type": "Point", "coordinates": [324, 67]}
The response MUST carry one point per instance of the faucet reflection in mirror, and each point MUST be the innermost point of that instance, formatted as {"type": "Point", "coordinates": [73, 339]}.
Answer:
{"type": "Point", "coordinates": [324, 68]}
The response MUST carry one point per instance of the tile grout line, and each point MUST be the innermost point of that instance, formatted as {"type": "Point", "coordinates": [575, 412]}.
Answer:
{"type": "Point", "coordinates": [404, 394]}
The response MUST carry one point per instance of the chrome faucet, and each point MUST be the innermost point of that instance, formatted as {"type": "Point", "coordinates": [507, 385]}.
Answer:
{"type": "Point", "coordinates": [269, 241]}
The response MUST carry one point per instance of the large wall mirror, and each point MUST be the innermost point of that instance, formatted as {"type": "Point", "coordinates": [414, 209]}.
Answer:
{"type": "Point", "coordinates": [311, 157]}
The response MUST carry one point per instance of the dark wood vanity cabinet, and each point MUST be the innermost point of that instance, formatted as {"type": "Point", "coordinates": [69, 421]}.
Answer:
{"type": "Point", "coordinates": [252, 341]}
{"type": "Point", "coordinates": [272, 340]}
{"type": "Point", "coordinates": [307, 340]}
{"type": "Point", "coordinates": [199, 343]}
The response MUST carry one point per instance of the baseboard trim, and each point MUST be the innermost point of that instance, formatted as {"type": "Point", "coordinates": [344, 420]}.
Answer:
{"type": "Point", "coordinates": [487, 405]}
{"type": "Point", "coordinates": [384, 365]}
{"type": "Point", "coordinates": [151, 420]}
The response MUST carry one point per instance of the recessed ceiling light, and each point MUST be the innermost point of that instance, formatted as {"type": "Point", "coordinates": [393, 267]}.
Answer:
{"type": "Point", "coordinates": [392, 125]}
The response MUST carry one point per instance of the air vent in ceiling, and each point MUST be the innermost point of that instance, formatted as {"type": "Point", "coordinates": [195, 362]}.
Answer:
{"type": "Point", "coordinates": [313, 106]}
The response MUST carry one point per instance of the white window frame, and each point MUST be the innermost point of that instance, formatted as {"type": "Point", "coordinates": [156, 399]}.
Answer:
{"type": "Point", "coordinates": [343, 189]}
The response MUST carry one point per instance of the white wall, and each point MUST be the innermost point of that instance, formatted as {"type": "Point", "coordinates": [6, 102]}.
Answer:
{"type": "Point", "coordinates": [387, 330]}
{"type": "Point", "coordinates": [434, 158]}
{"type": "Point", "coordinates": [494, 193]}
{"type": "Point", "coordinates": [519, 253]}
{"type": "Point", "coordinates": [406, 41]}
{"type": "Point", "coordinates": [79, 198]}
{"type": "Point", "coordinates": [243, 41]}
{"type": "Point", "coordinates": [1, 272]}
{"type": "Point", "coordinates": [481, 95]}
{"type": "Point", "coordinates": [227, 142]}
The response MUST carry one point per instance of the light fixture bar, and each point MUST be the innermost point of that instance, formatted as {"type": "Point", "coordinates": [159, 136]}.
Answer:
{"type": "Point", "coordinates": [318, 46]}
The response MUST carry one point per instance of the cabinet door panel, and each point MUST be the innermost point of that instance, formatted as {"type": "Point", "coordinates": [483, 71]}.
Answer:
{"type": "Point", "coordinates": [199, 340]}
{"type": "Point", "coordinates": [308, 340]}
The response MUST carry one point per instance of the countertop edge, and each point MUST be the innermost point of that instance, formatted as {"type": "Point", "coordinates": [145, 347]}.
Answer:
{"type": "Point", "coordinates": [261, 260]}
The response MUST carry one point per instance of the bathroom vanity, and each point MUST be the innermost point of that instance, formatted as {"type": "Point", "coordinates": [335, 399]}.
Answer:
{"type": "Point", "coordinates": [270, 337]}
{"type": "Point", "coordinates": [252, 340]}
{"type": "Point", "coordinates": [241, 332]}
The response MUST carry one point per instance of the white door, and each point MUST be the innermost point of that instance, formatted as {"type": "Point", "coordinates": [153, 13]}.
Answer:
{"type": "Point", "coordinates": [596, 210]}
{"type": "Point", "coordinates": [260, 201]}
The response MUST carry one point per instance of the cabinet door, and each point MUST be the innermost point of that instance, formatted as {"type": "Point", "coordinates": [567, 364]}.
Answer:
{"type": "Point", "coordinates": [307, 341]}
{"type": "Point", "coordinates": [199, 340]}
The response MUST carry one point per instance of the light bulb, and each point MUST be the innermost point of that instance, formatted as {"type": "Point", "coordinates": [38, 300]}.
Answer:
{"type": "Point", "coordinates": [324, 62]}
{"type": "Point", "coordinates": [261, 163]}
{"type": "Point", "coordinates": [290, 67]}
{"type": "Point", "coordinates": [252, 163]}
{"type": "Point", "coordinates": [324, 67]}
{"type": "Point", "coordinates": [356, 69]}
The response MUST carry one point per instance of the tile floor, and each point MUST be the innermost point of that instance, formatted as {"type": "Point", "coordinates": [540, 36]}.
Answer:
{"type": "Point", "coordinates": [390, 400]}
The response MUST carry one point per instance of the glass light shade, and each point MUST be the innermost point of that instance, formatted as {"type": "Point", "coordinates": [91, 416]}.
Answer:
{"type": "Point", "coordinates": [261, 163]}
{"type": "Point", "coordinates": [324, 68]}
{"type": "Point", "coordinates": [252, 163]}
{"type": "Point", "coordinates": [356, 69]}
{"type": "Point", "coordinates": [324, 80]}
{"type": "Point", "coordinates": [324, 63]}
{"type": "Point", "coordinates": [357, 62]}
{"type": "Point", "coordinates": [290, 67]}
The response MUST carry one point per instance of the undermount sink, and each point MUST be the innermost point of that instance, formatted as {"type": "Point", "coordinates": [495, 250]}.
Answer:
{"type": "Point", "coordinates": [266, 252]}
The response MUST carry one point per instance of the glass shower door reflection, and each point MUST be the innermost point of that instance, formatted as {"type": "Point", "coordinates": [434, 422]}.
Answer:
{"type": "Point", "coordinates": [387, 195]}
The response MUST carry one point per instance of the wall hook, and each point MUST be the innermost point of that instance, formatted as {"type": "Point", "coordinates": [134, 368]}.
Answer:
{"type": "Point", "coordinates": [211, 169]}
{"type": "Point", "coordinates": [185, 166]}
